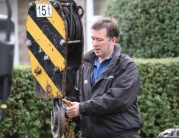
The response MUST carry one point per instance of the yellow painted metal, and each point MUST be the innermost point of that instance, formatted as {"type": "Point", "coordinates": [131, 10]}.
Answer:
{"type": "Point", "coordinates": [43, 78]}
{"type": "Point", "coordinates": [55, 20]}
{"type": "Point", "coordinates": [56, 58]}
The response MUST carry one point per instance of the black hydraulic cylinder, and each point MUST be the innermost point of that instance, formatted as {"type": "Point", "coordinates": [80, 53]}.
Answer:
{"type": "Point", "coordinates": [6, 61]}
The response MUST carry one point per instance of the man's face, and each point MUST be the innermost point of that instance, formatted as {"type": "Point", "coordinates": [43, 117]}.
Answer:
{"type": "Point", "coordinates": [103, 46]}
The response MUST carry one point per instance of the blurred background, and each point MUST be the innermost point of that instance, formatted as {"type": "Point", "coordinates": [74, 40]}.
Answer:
{"type": "Point", "coordinates": [149, 33]}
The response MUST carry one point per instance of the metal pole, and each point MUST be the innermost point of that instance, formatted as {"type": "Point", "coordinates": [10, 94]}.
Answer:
{"type": "Point", "coordinates": [4, 98]}
{"type": "Point", "coordinates": [8, 27]}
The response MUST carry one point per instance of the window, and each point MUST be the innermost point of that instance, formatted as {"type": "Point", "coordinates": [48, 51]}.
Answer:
{"type": "Point", "coordinates": [99, 6]}
{"type": "Point", "coordinates": [94, 10]}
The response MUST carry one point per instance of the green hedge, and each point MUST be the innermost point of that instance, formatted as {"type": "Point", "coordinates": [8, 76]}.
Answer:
{"type": "Point", "coordinates": [159, 95]}
{"type": "Point", "coordinates": [158, 100]}
{"type": "Point", "coordinates": [149, 28]}
{"type": "Point", "coordinates": [27, 116]}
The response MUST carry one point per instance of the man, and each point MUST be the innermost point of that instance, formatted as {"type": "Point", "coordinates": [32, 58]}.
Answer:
{"type": "Point", "coordinates": [110, 85]}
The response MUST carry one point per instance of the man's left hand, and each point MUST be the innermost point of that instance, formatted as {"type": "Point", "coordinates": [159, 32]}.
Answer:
{"type": "Point", "coordinates": [73, 110]}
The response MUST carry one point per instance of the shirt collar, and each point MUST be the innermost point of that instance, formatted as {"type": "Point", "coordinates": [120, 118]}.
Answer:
{"type": "Point", "coordinates": [109, 58]}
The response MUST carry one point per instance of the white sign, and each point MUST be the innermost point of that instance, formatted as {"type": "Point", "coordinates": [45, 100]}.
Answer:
{"type": "Point", "coordinates": [44, 10]}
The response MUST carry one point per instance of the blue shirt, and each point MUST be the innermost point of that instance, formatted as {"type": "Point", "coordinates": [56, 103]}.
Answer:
{"type": "Point", "coordinates": [100, 67]}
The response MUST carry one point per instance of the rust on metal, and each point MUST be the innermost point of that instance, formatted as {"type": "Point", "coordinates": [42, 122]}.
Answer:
{"type": "Point", "coordinates": [56, 69]}
{"type": "Point", "coordinates": [37, 70]}
{"type": "Point", "coordinates": [48, 88]}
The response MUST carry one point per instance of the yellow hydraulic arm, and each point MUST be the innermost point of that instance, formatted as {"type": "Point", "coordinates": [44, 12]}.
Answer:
{"type": "Point", "coordinates": [55, 48]}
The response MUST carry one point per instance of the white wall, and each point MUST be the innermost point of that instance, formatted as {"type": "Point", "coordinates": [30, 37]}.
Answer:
{"type": "Point", "coordinates": [90, 18]}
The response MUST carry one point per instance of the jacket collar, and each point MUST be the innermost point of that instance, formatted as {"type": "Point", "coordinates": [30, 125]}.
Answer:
{"type": "Point", "coordinates": [90, 56]}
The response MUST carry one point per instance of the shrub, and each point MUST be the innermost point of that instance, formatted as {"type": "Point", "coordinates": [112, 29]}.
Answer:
{"type": "Point", "coordinates": [149, 29]}
{"type": "Point", "coordinates": [27, 116]}
{"type": "Point", "coordinates": [158, 98]}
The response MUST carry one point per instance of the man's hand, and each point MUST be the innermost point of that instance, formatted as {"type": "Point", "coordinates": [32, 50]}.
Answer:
{"type": "Point", "coordinates": [73, 110]}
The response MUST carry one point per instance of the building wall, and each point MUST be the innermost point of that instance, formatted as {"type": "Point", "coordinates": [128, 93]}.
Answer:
{"type": "Point", "coordinates": [83, 4]}
{"type": "Point", "coordinates": [94, 10]}
{"type": "Point", "coordinates": [22, 16]}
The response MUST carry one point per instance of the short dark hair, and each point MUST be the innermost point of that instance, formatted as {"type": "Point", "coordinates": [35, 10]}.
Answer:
{"type": "Point", "coordinates": [109, 23]}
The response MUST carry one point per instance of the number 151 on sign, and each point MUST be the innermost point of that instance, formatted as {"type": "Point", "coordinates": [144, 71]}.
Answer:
{"type": "Point", "coordinates": [44, 10]}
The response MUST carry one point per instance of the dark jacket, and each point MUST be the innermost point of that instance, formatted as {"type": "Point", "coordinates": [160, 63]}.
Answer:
{"type": "Point", "coordinates": [108, 107]}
